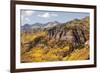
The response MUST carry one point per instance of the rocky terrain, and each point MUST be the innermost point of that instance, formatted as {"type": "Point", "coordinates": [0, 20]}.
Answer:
{"type": "Point", "coordinates": [55, 41]}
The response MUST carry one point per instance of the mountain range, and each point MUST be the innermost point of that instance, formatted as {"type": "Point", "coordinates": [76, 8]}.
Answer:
{"type": "Point", "coordinates": [55, 41]}
{"type": "Point", "coordinates": [28, 27]}
{"type": "Point", "coordinates": [75, 32]}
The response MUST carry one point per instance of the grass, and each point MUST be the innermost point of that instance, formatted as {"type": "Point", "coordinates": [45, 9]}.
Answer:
{"type": "Point", "coordinates": [39, 54]}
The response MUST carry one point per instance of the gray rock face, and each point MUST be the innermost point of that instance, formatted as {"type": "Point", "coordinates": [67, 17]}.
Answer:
{"type": "Point", "coordinates": [75, 33]}
{"type": "Point", "coordinates": [73, 36]}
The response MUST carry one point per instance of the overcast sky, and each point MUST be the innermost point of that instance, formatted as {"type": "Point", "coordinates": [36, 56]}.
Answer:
{"type": "Point", "coordinates": [37, 16]}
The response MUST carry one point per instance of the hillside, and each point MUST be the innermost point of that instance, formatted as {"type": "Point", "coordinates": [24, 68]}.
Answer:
{"type": "Point", "coordinates": [59, 42]}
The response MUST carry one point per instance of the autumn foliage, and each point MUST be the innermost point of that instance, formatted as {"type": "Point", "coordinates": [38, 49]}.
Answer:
{"type": "Point", "coordinates": [43, 46]}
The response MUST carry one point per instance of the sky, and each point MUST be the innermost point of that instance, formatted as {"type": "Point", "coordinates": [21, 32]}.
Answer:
{"type": "Point", "coordinates": [40, 16]}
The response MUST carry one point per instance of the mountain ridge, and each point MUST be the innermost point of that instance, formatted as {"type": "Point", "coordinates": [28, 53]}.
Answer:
{"type": "Point", "coordinates": [59, 42]}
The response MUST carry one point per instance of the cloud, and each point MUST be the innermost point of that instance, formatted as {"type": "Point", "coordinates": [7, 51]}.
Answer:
{"type": "Point", "coordinates": [47, 15]}
{"type": "Point", "coordinates": [27, 13]}
{"type": "Point", "coordinates": [25, 16]}
{"type": "Point", "coordinates": [24, 20]}
{"type": "Point", "coordinates": [27, 19]}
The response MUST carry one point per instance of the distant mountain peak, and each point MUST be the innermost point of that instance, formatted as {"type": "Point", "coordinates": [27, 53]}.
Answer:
{"type": "Point", "coordinates": [51, 24]}
{"type": "Point", "coordinates": [26, 25]}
